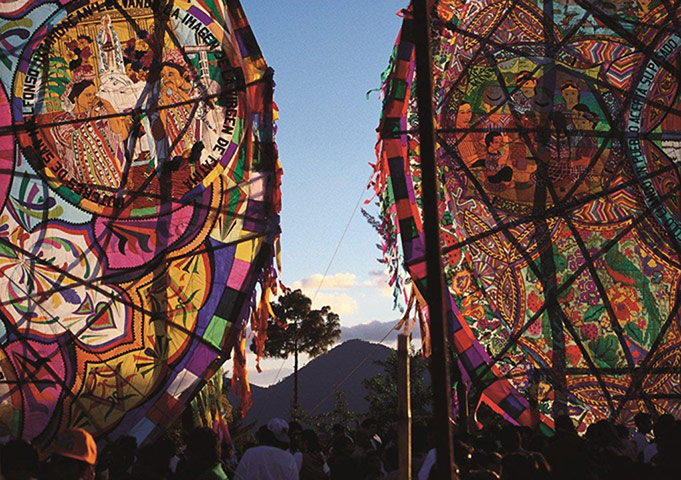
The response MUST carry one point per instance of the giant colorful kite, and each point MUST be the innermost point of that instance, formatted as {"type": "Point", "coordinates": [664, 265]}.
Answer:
{"type": "Point", "coordinates": [558, 130]}
{"type": "Point", "coordinates": [139, 195]}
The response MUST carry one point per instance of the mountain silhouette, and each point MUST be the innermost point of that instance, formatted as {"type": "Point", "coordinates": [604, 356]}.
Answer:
{"type": "Point", "coordinates": [345, 366]}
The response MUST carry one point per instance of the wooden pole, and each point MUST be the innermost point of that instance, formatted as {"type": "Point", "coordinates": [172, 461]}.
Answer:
{"type": "Point", "coordinates": [295, 377]}
{"type": "Point", "coordinates": [404, 406]}
{"type": "Point", "coordinates": [431, 228]}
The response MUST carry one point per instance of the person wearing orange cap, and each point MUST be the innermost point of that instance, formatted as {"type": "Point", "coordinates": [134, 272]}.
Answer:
{"type": "Point", "coordinates": [73, 456]}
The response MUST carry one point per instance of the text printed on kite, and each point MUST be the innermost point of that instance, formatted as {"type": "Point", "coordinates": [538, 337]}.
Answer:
{"type": "Point", "coordinates": [139, 222]}
{"type": "Point", "coordinates": [557, 128]}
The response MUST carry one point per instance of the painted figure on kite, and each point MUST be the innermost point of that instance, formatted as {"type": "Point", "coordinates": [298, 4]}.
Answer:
{"type": "Point", "coordinates": [139, 200]}
{"type": "Point", "coordinates": [557, 134]}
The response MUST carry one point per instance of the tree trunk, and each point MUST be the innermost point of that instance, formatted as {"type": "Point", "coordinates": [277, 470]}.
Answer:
{"type": "Point", "coordinates": [295, 380]}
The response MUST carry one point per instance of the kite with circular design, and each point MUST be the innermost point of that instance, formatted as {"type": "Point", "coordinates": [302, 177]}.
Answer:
{"type": "Point", "coordinates": [139, 186]}
{"type": "Point", "coordinates": [558, 128]}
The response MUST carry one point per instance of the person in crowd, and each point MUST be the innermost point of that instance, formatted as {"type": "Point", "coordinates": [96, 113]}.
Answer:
{"type": "Point", "coordinates": [367, 436]}
{"type": "Point", "coordinates": [391, 461]}
{"type": "Point", "coordinates": [429, 459]}
{"type": "Point", "coordinates": [662, 426]}
{"type": "Point", "coordinates": [270, 460]}
{"type": "Point", "coordinates": [643, 433]}
{"type": "Point", "coordinates": [73, 456]}
{"type": "Point", "coordinates": [517, 466]}
{"type": "Point", "coordinates": [668, 460]}
{"type": "Point", "coordinates": [628, 446]}
{"type": "Point", "coordinates": [230, 459]}
{"type": "Point", "coordinates": [105, 462]}
{"type": "Point", "coordinates": [563, 448]}
{"type": "Point", "coordinates": [120, 458]}
{"type": "Point", "coordinates": [19, 461]}
{"type": "Point", "coordinates": [295, 430]}
{"type": "Point", "coordinates": [605, 451]}
{"type": "Point", "coordinates": [342, 462]}
{"type": "Point", "coordinates": [154, 460]}
{"type": "Point", "coordinates": [338, 431]}
{"type": "Point", "coordinates": [314, 466]}
{"type": "Point", "coordinates": [509, 437]}
{"type": "Point", "coordinates": [202, 457]}
{"type": "Point", "coordinates": [372, 466]}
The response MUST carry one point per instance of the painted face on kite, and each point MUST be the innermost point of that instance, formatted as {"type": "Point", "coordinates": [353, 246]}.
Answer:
{"type": "Point", "coordinates": [173, 81]}
{"type": "Point", "coordinates": [138, 209]}
{"type": "Point", "coordinates": [464, 116]}
{"type": "Point", "coordinates": [497, 141]}
{"type": "Point", "coordinates": [528, 86]}
{"type": "Point", "coordinates": [570, 94]}
{"type": "Point", "coordinates": [85, 100]}
{"type": "Point", "coordinates": [582, 120]}
{"type": "Point", "coordinates": [563, 256]}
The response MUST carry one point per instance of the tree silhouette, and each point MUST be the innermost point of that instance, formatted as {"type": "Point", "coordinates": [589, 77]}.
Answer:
{"type": "Point", "coordinates": [306, 331]}
{"type": "Point", "coordinates": [382, 390]}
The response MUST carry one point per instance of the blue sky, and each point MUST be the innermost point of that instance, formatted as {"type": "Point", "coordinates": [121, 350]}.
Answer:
{"type": "Point", "coordinates": [326, 55]}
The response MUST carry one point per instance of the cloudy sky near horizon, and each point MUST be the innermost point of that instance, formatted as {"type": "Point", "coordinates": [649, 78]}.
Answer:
{"type": "Point", "coordinates": [327, 55]}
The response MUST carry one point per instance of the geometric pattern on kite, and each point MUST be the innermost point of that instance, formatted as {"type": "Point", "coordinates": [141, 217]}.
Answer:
{"type": "Point", "coordinates": [139, 195]}
{"type": "Point", "coordinates": [558, 142]}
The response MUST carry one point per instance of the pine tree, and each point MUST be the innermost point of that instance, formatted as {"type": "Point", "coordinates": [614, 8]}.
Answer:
{"type": "Point", "coordinates": [307, 331]}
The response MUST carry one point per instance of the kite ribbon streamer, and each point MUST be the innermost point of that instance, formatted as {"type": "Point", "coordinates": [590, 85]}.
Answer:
{"type": "Point", "coordinates": [392, 178]}
{"type": "Point", "coordinates": [140, 194]}
{"type": "Point", "coordinates": [557, 131]}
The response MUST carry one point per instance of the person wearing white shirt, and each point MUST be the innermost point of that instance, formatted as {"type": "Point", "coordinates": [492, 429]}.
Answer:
{"type": "Point", "coordinates": [269, 460]}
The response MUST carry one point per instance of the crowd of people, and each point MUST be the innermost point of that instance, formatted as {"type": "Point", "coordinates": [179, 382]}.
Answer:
{"type": "Point", "coordinates": [287, 451]}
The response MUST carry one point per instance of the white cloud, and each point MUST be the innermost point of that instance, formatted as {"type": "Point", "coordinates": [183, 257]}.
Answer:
{"type": "Point", "coordinates": [377, 273]}
{"type": "Point", "coordinates": [342, 304]}
{"type": "Point", "coordinates": [354, 297]}
{"type": "Point", "coordinates": [379, 280]}
{"type": "Point", "coordinates": [339, 281]}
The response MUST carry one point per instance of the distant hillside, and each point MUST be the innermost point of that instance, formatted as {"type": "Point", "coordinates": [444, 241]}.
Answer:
{"type": "Point", "coordinates": [316, 381]}
{"type": "Point", "coordinates": [378, 331]}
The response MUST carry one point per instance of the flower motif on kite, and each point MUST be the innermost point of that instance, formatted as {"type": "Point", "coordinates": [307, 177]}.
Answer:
{"type": "Point", "coordinates": [557, 140]}
{"type": "Point", "coordinates": [52, 286]}
{"type": "Point", "coordinates": [139, 195]}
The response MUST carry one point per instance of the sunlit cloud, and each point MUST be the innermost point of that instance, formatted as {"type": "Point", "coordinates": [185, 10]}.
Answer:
{"type": "Point", "coordinates": [379, 280]}
{"type": "Point", "coordinates": [342, 304]}
{"type": "Point", "coordinates": [339, 281]}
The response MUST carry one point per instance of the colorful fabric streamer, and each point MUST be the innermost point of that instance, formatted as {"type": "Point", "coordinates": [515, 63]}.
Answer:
{"type": "Point", "coordinates": [139, 197]}
{"type": "Point", "coordinates": [557, 129]}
